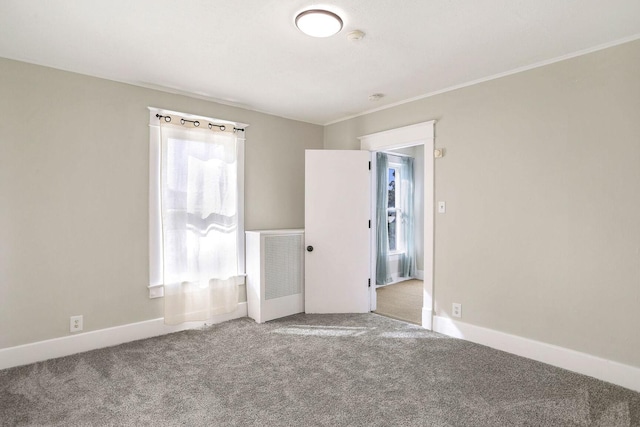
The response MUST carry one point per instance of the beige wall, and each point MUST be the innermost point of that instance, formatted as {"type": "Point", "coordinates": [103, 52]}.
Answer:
{"type": "Point", "coordinates": [541, 177]}
{"type": "Point", "coordinates": [542, 181]}
{"type": "Point", "coordinates": [74, 165]}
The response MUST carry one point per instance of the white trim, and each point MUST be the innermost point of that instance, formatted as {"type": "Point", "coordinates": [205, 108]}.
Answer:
{"type": "Point", "coordinates": [420, 274]}
{"type": "Point", "coordinates": [492, 77]}
{"type": "Point", "coordinates": [156, 291]}
{"type": "Point", "coordinates": [81, 342]}
{"type": "Point", "coordinates": [155, 226]}
{"type": "Point", "coordinates": [582, 363]}
{"type": "Point", "coordinates": [427, 318]}
{"type": "Point", "coordinates": [240, 177]}
{"type": "Point", "coordinates": [417, 134]}
{"type": "Point", "coordinates": [373, 240]}
{"type": "Point", "coordinates": [392, 139]}
{"type": "Point", "coordinates": [395, 279]}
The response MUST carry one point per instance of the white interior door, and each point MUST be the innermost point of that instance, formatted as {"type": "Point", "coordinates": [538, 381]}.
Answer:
{"type": "Point", "coordinates": [337, 206]}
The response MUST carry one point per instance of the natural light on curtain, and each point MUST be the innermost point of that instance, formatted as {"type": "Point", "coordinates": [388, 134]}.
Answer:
{"type": "Point", "coordinates": [394, 218]}
{"type": "Point", "coordinates": [382, 232]}
{"type": "Point", "coordinates": [408, 257]}
{"type": "Point", "coordinates": [199, 207]}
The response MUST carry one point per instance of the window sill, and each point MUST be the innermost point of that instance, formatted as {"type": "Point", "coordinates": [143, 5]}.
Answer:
{"type": "Point", "coordinates": [156, 291]}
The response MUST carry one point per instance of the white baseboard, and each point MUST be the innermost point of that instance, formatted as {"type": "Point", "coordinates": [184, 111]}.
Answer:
{"type": "Point", "coordinates": [396, 278]}
{"type": "Point", "coordinates": [427, 318]}
{"type": "Point", "coordinates": [80, 342]}
{"type": "Point", "coordinates": [582, 363]}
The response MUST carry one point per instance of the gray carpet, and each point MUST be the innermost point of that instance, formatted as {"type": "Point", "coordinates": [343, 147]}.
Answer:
{"type": "Point", "coordinates": [307, 370]}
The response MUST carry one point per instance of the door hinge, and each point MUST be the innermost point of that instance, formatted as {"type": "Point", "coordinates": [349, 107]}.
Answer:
{"type": "Point", "coordinates": [369, 223]}
{"type": "Point", "coordinates": [369, 282]}
{"type": "Point", "coordinates": [369, 165]}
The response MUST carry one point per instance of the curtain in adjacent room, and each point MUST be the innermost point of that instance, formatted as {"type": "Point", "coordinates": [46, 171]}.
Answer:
{"type": "Point", "coordinates": [382, 231]}
{"type": "Point", "coordinates": [199, 204]}
{"type": "Point", "coordinates": [408, 258]}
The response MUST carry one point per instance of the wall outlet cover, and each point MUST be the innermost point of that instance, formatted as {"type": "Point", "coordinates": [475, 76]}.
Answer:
{"type": "Point", "coordinates": [456, 310]}
{"type": "Point", "coordinates": [75, 323]}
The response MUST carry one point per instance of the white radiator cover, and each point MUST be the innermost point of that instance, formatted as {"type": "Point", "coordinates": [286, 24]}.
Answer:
{"type": "Point", "coordinates": [275, 273]}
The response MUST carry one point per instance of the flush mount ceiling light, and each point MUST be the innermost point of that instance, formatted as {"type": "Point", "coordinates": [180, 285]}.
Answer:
{"type": "Point", "coordinates": [318, 23]}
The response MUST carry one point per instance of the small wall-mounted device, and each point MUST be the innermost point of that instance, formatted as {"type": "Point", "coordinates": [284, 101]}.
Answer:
{"type": "Point", "coordinates": [75, 323]}
{"type": "Point", "coordinates": [456, 310]}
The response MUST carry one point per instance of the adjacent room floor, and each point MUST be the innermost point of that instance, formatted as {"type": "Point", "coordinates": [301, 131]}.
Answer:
{"type": "Point", "coordinates": [402, 301]}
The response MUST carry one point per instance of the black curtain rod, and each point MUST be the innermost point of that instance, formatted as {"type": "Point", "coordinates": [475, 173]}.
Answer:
{"type": "Point", "coordinates": [196, 123]}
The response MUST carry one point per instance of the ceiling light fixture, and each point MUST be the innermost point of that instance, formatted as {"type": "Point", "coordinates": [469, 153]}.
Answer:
{"type": "Point", "coordinates": [318, 23]}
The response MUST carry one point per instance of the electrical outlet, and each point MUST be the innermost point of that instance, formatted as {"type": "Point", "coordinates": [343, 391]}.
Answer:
{"type": "Point", "coordinates": [75, 323]}
{"type": "Point", "coordinates": [456, 310]}
{"type": "Point", "coordinates": [442, 207]}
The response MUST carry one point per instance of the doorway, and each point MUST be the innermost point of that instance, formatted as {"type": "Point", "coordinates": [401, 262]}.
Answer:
{"type": "Point", "coordinates": [399, 221]}
{"type": "Point", "coordinates": [404, 141]}
{"type": "Point", "coordinates": [338, 271]}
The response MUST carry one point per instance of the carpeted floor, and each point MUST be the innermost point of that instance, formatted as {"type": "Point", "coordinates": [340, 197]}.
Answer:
{"type": "Point", "coordinates": [401, 301]}
{"type": "Point", "coordinates": [307, 370]}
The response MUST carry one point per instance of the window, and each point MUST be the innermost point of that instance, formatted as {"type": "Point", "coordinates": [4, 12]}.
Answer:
{"type": "Point", "coordinates": [394, 213]}
{"type": "Point", "coordinates": [196, 207]}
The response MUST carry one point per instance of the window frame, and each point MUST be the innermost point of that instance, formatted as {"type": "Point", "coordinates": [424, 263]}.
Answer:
{"type": "Point", "coordinates": [400, 244]}
{"type": "Point", "coordinates": [155, 286]}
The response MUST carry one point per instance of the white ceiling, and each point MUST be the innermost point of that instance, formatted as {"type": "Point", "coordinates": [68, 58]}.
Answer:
{"type": "Point", "coordinates": [250, 54]}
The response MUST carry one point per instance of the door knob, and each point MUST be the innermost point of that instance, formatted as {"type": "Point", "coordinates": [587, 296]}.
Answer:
{"type": "Point", "coordinates": [309, 248]}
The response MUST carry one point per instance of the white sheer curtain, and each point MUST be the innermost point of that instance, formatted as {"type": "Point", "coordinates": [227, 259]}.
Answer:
{"type": "Point", "coordinates": [199, 206]}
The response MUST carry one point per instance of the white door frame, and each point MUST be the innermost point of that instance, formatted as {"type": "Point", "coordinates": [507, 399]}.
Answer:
{"type": "Point", "coordinates": [408, 136]}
